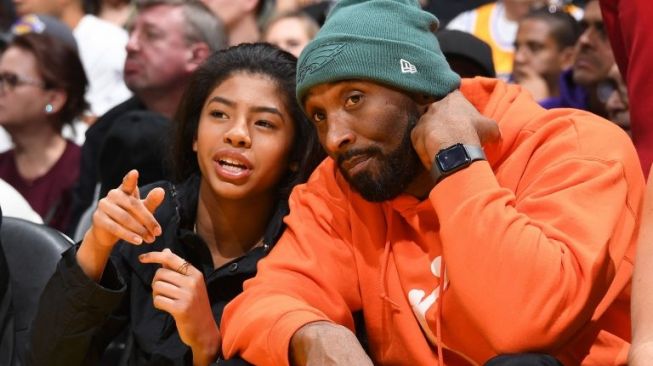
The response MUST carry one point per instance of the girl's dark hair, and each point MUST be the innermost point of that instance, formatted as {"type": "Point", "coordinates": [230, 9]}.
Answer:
{"type": "Point", "coordinates": [258, 58]}
{"type": "Point", "coordinates": [60, 67]}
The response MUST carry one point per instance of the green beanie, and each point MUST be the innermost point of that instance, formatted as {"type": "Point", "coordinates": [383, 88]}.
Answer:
{"type": "Point", "coordinates": [391, 42]}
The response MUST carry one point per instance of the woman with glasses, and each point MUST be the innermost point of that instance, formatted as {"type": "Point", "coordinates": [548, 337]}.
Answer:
{"type": "Point", "coordinates": [42, 85]}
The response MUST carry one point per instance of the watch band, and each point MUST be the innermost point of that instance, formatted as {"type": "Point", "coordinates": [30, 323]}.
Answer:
{"type": "Point", "coordinates": [472, 153]}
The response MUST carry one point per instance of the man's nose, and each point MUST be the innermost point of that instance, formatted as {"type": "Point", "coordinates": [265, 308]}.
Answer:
{"type": "Point", "coordinates": [339, 134]}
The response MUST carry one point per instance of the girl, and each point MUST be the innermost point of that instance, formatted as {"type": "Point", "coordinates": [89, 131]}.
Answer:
{"type": "Point", "coordinates": [182, 252]}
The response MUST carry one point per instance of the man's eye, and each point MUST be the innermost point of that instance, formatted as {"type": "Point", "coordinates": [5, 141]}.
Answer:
{"type": "Point", "coordinates": [318, 117]}
{"type": "Point", "coordinates": [353, 100]}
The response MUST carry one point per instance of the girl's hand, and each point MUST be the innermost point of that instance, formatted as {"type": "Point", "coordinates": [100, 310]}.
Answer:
{"type": "Point", "coordinates": [123, 215]}
{"type": "Point", "coordinates": [179, 289]}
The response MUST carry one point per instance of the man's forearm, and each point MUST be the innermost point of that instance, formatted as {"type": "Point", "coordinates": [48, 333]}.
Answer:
{"type": "Point", "coordinates": [325, 343]}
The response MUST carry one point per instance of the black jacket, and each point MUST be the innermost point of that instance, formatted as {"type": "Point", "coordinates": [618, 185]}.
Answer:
{"type": "Point", "coordinates": [77, 317]}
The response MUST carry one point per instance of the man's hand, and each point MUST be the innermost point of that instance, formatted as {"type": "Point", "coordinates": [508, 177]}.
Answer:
{"type": "Point", "coordinates": [324, 343]}
{"type": "Point", "coordinates": [450, 121]}
{"type": "Point", "coordinates": [178, 288]}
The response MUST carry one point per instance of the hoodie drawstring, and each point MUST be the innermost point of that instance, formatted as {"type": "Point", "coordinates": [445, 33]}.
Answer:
{"type": "Point", "coordinates": [438, 326]}
{"type": "Point", "coordinates": [384, 269]}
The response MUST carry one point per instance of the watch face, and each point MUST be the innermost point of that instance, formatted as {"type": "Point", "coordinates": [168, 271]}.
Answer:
{"type": "Point", "coordinates": [452, 158]}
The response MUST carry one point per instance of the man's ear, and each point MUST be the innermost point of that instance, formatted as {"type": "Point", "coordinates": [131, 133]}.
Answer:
{"type": "Point", "coordinates": [422, 99]}
{"type": "Point", "coordinates": [198, 52]}
{"type": "Point", "coordinates": [423, 102]}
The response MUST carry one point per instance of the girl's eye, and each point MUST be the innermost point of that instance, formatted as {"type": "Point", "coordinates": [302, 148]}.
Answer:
{"type": "Point", "coordinates": [353, 100]}
{"type": "Point", "coordinates": [218, 114]}
{"type": "Point", "coordinates": [264, 123]}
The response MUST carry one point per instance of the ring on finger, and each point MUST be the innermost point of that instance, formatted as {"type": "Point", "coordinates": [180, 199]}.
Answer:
{"type": "Point", "coordinates": [183, 269]}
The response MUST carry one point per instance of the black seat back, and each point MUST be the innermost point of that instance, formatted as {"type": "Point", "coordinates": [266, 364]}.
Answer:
{"type": "Point", "coordinates": [32, 253]}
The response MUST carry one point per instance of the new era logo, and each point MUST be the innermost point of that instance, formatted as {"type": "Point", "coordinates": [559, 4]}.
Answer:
{"type": "Point", "coordinates": [407, 67]}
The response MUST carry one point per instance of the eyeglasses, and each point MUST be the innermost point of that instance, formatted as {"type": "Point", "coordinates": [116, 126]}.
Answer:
{"type": "Point", "coordinates": [9, 81]}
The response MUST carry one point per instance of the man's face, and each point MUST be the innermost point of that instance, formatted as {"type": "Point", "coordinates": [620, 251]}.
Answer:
{"type": "Point", "coordinates": [537, 51]}
{"type": "Point", "coordinates": [50, 7]}
{"type": "Point", "coordinates": [158, 55]}
{"type": "Point", "coordinates": [365, 128]}
{"type": "Point", "coordinates": [593, 55]}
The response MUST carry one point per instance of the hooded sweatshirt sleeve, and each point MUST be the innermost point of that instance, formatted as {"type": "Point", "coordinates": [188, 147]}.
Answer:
{"type": "Point", "coordinates": [259, 323]}
{"type": "Point", "coordinates": [546, 241]}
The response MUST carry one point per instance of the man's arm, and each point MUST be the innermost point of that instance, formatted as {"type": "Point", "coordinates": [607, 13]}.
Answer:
{"type": "Point", "coordinates": [309, 276]}
{"type": "Point", "coordinates": [325, 343]}
{"type": "Point", "coordinates": [541, 242]}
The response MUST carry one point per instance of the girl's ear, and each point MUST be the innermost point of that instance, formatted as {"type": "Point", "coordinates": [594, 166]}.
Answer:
{"type": "Point", "coordinates": [195, 144]}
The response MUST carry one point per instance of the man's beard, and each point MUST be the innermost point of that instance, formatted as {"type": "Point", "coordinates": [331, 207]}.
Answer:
{"type": "Point", "coordinates": [396, 170]}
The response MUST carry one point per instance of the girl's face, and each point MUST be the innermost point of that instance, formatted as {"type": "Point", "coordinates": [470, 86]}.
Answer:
{"type": "Point", "coordinates": [244, 137]}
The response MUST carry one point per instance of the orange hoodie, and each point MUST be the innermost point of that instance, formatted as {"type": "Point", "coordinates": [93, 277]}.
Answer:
{"type": "Point", "coordinates": [536, 246]}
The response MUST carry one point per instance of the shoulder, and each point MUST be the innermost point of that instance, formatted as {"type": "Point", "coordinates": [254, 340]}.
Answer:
{"type": "Point", "coordinates": [464, 21]}
{"type": "Point", "coordinates": [109, 31]}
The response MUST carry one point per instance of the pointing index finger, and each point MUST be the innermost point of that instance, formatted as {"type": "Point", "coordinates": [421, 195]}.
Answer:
{"type": "Point", "coordinates": [165, 258]}
{"type": "Point", "coordinates": [129, 183]}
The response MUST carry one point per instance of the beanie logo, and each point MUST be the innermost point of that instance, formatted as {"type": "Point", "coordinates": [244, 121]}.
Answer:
{"type": "Point", "coordinates": [317, 58]}
{"type": "Point", "coordinates": [407, 67]}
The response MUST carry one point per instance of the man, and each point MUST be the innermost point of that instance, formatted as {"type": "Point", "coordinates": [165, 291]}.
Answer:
{"type": "Point", "coordinates": [544, 48]}
{"type": "Point", "coordinates": [101, 49]}
{"type": "Point", "coordinates": [593, 57]}
{"type": "Point", "coordinates": [458, 237]}
{"type": "Point", "coordinates": [168, 40]}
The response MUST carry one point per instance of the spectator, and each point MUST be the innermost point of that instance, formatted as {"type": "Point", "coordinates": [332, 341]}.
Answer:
{"type": "Point", "coordinates": [42, 86]}
{"type": "Point", "coordinates": [101, 48]}
{"type": "Point", "coordinates": [45, 24]}
{"type": "Point", "coordinates": [614, 94]}
{"type": "Point", "coordinates": [168, 40]}
{"type": "Point", "coordinates": [290, 31]}
{"type": "Point", "coordinates": [544, 48]}
{"type": "Point", "coordinates": [458, 237]}
{"type": "Point", "coordinates": [496, 24]}
{"type": "Point", "coordinates": [467, 55]}
{"type": "Point", "coordinates": [593, 57]}
{"type": "Point", "coordinates": [241, 144]}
